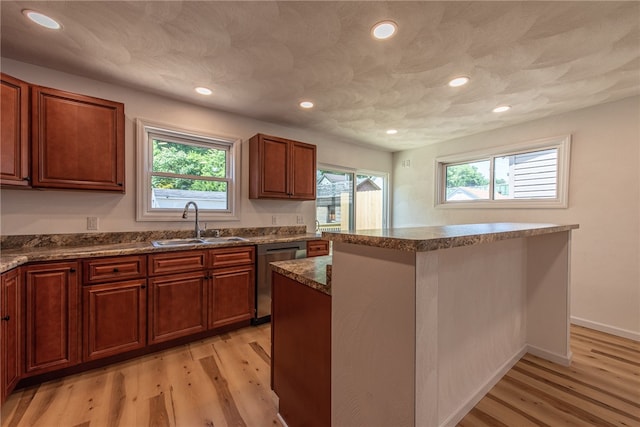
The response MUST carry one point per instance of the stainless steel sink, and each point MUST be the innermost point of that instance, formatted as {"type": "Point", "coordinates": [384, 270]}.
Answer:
{"type": "Point", "coordinates": [176, 242]}
{"type": "Point", "coordinates": [223, 239]}
{"type": "Point", "coordinates": [202, 241]}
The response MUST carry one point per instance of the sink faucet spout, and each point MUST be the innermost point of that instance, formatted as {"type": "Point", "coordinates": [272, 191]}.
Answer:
{"type": "Point", "coordinates": [185, 214]}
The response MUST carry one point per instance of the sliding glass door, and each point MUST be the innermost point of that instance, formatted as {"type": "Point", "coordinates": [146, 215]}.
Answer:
{"type": "Point", "coordinates": [348, 200]}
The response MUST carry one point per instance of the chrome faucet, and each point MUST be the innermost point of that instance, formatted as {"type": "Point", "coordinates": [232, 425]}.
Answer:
{"type": "Point", "coordinates": [186, 211]}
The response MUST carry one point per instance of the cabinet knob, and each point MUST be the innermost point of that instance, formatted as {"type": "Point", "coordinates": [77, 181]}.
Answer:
{"type": "Point", "coordinates": [120, 184]}
{"type": "Point", "coordinates": [72, 270]}
{"type": "Point", "coordinates": [143, 286]}
{"type": "Point", "coordinates": [115, 269]}
{"type": "Point", "coordinates": [6, 318]}
{"type": "Point", "coordinates": [26, 178]}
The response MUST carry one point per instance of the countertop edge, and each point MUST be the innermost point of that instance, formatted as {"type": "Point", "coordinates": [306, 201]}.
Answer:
{"type": "Point", "coordinates": [12, 258]}
{"type": "Point", "coordinates": [311, 272]}
{"type": "Point", "coordinates": [444, 237]}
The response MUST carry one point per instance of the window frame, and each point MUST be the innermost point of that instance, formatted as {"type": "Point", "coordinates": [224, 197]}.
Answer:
{"type": "Point", "coordinates": [147, 129]}
{"type": "Point", "coordinates": [561, 143]}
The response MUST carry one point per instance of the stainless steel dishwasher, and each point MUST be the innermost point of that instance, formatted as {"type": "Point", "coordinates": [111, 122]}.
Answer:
{"type": "Point", "coordinates": [267, 253]}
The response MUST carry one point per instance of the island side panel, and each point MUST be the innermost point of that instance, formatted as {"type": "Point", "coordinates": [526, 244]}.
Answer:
{"type": "Point", "coordinates": [481, 321]}
{"type": "Point", "coordinates": [372, 337]}
{"type": "Point", "coordinates": [548, 287]}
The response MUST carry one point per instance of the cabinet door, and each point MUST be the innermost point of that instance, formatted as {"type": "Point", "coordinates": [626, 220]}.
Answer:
{"type": "Point", "coordinates": [14, 169]}
{"type": "Point", "coordinates": [269, 171]}
{"type": "Point", "coordinates": [231, 296]}
{"type": "Point", "coordinates": [114, 318]}
{"type": "Point", "coordinates": [10, 330]}
{"type": "Point", "coordinates": [52, 338]}
{"type": "Point", "coordinates": [303, 171]}
{"type": "Point", "coordinates": [77, 141]}
{"type": "Point", "coordinates": [177, 306]}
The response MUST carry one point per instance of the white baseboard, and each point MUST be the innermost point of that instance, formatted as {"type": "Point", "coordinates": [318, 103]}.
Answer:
{"type": "Point", "coordinates": [560, 359]}
{"type": "Point", "coordinates": [463, 410]}
{"type": "Point", "coordinates": [624, 333]}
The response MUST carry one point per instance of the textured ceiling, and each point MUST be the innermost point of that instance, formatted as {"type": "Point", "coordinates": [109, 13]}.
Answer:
{"type": "Point", "coordinates": [262, 58]}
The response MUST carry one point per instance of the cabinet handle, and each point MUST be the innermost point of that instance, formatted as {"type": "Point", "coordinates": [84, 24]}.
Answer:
{"type": "Point", "coordinates": [143, 286]}
{"type": "Point", "coordinates": [72, 270]}
{"type": "Point", "coordinates": [26, 178]}
{"type": "Point", "coordinates": [119, 184]}
{"type": "Point", "coordinates": [6, 318]}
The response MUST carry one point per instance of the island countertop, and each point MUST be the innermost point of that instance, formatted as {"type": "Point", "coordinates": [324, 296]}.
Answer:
{"type": "Point", "coordinates": [314, 272]}
{"type": "Point", "coordinates": [422, 239]}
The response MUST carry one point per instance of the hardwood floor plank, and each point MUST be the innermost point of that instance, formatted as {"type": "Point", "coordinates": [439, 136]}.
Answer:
{"type": "Point", "coordinates": [224, 381]}
{"type": "Point", "coordinates": [221, 385]}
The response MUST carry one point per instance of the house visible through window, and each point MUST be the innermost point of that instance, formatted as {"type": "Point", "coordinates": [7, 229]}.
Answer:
{"type": "Point", "coordinates": [346, 200]}
{"type": "Point", "coordinates": [525, 175]}
{"type": "Point", "coordinates": [179, 166]}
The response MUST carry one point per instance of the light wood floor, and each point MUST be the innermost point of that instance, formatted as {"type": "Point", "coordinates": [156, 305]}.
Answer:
{"type": "Point", "coordinates": [224, 381]}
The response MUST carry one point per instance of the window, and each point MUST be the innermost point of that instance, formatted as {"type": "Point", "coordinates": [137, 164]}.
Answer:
{"type": "Point", "coordinates": [176, 166]}
{"type": "Point", "coordinates": [346, 199]}
{"type": "Point", "coordinates": [527, 175]}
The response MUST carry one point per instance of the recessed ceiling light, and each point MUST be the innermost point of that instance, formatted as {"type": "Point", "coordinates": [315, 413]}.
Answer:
{"type": "Point", "coordinates": [392, 131]}
{"type": "Point", "coordinates": [306, 104]}
{"type": "Point", "coordinates": [502, 109]}
{"type": "Point", "coordinates": [383, 30]}
{"type": "Point", "coordinates": [203, 90]}
{"type": "Point", "coordinates": [41, 19]}
{"type": "Point", "coordinates": [459, 81]}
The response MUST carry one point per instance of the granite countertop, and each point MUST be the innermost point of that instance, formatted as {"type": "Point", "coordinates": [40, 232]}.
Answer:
{"type": "Point", "coordinates": [422, 239]}
{"type": "Point", "coordinates": [314, 272]}
{"type": "Point", "coordinates": [15, 257]}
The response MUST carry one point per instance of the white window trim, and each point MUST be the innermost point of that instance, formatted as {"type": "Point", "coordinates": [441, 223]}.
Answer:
{"type": "Point", "coordinates": [562, 143]}
{"type": "Point", "coordinates": [144, 166]}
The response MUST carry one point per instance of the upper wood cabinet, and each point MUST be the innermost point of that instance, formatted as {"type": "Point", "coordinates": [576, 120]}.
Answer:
{"type": "Point", "coordinates": [14, 170]}
{"type": "Point", "coordinates": [281, 168]}
{"type": "Point", "coordinates": [77, 141]}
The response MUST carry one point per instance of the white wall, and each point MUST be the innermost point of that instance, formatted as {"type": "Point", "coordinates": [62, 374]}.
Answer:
{"type": "Point", "coordinates": [43, 212]}
{"type": "Point", "coordinates": [604, 198]}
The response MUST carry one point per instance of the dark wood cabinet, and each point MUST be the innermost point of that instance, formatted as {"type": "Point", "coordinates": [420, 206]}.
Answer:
{"type": "Point", "coordinates": [51, 317]}
{"type": "Point", "coordinates": [14, 169]}
{"type": "Point", "coordinates": [231, 286]}
{"type": "Point", "coordinates": [114, 318]}
{"type": "Point", "coordinates": [77, 141]}
{"type": "Point", "coordinates": [231, 295]}
{"type": "Point", "coordinates": [11, 358]}
{"type": "Point", "coordinates": [317, 247]}
{"type": "Point", "coordinates": [281, 168]}
{"type": "Point", "coordinates": [301, 352]}
{"type": "Point", "coordinates": [114, 309]}
{"type": "Point", "coordinates": [177, 296]}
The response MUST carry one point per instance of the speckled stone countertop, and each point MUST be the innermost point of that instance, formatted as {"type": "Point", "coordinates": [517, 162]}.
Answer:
{"type": "Point", "coordinates": [61, 247]}
{"type": "Point", "coordinates": [314, 272]}
{"type": "Point", "coordinates": [422, 239]}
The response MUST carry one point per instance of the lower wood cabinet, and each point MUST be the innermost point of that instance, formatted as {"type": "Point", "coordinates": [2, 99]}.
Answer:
{"type": "Point", "coordinates": [317, 247]}
{"type": "Point", "coordinates": [51, 317]}
{"type": "Point", "coordinates": [177, 306]}
{"type": "Point", "coordinates": [231, 295]}
{"type": "Point", "coordinates": [114, 318]}
{"type": "Point", "coordinates": [11, 359]}
{"type": "Point", "coordinates": [301, 352]}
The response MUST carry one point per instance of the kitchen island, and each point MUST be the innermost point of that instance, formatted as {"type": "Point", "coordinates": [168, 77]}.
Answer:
{"type": "Point", "coordinates": [424, 321]}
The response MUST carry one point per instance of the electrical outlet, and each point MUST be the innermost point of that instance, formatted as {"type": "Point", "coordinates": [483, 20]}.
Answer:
{"type": "Point", "coordinates": [299, 219]}
{"type": "Point", "coordinates": [92, 223]}
{"type": "Point", "coordinates": [274, 220]}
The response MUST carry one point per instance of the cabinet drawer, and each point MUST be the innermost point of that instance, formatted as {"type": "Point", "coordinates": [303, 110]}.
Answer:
{"type": "Point", "coordinates": [228, 257]}
{"type": "Point", "coordinates": [176, 262]}
{"type": "Point", "coordinates": [115, 268]}
{"type": "Point", "coordinates": [317, 248]}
